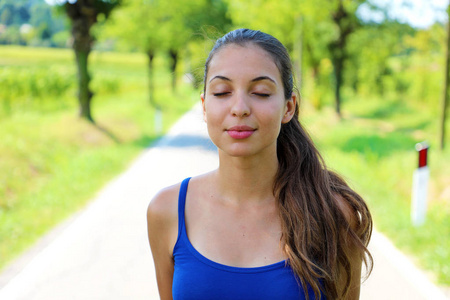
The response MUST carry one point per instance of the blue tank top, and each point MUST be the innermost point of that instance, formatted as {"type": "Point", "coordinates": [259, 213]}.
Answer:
{"type": "Point", "coordinates": [196, 277]}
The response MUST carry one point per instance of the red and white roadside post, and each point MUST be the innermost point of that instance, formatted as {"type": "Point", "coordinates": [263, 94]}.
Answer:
{"type": "Point", "coordinates": [420, 187]}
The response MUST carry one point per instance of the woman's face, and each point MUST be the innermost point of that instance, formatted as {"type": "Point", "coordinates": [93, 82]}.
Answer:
{"type": "Point", "coordinates": [243, 103]}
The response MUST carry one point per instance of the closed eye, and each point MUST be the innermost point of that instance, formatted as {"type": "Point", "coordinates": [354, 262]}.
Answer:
{"type": "Point", "coordinates": [262, 95]}
{"type": "Point", "coordinates": [220, 94]}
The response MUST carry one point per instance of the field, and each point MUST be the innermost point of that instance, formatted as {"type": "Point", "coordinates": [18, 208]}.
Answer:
{"type": "Point", "coordinates": [53, 162]}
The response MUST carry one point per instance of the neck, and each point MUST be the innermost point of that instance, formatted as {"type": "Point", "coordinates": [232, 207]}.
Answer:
{"type": "Point", "coordinates": [246, 179]}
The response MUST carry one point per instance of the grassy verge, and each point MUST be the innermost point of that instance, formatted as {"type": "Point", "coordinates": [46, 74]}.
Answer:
{"type": "Point", "coordinates": [373, 147]}
{"type": "Point", "coordinates": [52, 162]}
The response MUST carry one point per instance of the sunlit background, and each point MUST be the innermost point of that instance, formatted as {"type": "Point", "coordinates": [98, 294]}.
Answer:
{"type": "Point", "coordinates": [371, 74]}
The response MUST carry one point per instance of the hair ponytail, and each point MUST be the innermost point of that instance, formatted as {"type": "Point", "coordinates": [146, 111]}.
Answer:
{"type": "Point", "coordinates": [314, 229]}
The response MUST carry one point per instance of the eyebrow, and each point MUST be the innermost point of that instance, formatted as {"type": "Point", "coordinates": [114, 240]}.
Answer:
{"type": "Point", "coordinates": [220, 77]}
{"type": "Point", "coordinates": [253, 80]}
{"type": "Point", "coordinates": [263, 78]}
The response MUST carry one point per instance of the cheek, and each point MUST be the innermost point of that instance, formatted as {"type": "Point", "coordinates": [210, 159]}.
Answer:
{"type": "Point", "coordinates": [212, 116]}
{"type": "Point", "coordinates": [274, 119]}
{"type": "Point", "coordinates": [214, 125]}
{"type": "Point", "coordinates": [275, 113]}
{"type": "Point", "coordinates": [270, 124]}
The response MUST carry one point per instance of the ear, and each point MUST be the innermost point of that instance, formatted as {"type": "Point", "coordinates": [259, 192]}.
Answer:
{"type": "Point", "coordinates": [290, 107]}
{"type": "Point", "coordinates": [202, 96]}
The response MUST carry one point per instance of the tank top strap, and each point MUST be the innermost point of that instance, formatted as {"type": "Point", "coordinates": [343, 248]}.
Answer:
{"type": "Point", "coordinates": [182, 205]}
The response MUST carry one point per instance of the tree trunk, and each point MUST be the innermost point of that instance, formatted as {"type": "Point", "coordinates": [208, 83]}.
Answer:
{"type": "Point", "coordinates": [84, 93]}
{"type": "Point", "coordinates": [151, 86]}
{"type": "Point", "coordinates": [83, 17]}
{"type": "Point", "coordinates": [338, 50]}
{"type": "Point", "coordinates": [445, 94]}
{"type": "Point", "coordinates": [173, 67]}
{"type": "Point", "coordinates": [338, 70]}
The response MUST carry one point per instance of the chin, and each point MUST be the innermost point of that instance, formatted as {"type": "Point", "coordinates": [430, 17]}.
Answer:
{"type": "Point", "coordinates": [238, 152]}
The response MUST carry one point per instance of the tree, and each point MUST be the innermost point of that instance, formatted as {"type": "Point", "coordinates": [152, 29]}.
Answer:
{"type": "Point", "coordinates": [285, 21]}
{"type": "Point", "coordinates": [304, 27]}
{"type": "Point", "coordinates": [445, 94]}
{"type": "Point", "coordinates": [317, 31]}
{"type": "Point", "coordinates": [163, 26]}
{"type": "Point", "coordinates": [346, 22]}
{"type": "Point", "coordinates": [83, 15]}
{"type": "Point", "coordinates": [371, 49]}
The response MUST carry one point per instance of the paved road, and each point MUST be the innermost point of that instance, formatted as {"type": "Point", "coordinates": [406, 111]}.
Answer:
{"type": "Point", "coordinates": [103, 253]}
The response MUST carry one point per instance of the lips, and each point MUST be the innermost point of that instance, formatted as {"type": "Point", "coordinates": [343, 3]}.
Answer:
{"type": "Point", "coordinates": [240, 132]}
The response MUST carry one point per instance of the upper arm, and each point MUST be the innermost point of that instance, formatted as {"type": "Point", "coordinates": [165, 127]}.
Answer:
{"type": "Point", "coordinates": [351, 248]}
{"type": "Point", "coordinates": [162, 224]}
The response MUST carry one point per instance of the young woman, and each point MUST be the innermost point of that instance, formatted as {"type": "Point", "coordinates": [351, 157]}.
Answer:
{"type": "Point", "coordinates": [272, 222]}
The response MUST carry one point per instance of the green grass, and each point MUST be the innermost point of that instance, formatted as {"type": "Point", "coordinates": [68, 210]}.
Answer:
{"type": "Point", "coordinates": [373, 148]}
{"type": "Point", "coordinates": [52, 162]}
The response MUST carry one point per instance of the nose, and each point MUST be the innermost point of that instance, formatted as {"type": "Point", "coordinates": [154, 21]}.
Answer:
{"type": "Point", "coordinates": [240, 106]}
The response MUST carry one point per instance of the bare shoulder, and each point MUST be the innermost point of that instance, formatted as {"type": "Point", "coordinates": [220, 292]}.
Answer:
{"type": "Point", "coordinates": [162, 221]}
{"type": "Point", "coordinates": [162, 225]}
{"type": "Point", "coordinates": [163, 208]}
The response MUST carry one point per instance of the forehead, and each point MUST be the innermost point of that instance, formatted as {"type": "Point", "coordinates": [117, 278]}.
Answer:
{"type": "Point", "coordinates": [239, 60]}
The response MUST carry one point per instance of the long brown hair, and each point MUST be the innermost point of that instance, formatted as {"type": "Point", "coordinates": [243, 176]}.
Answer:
{"type": "Point", "coordinates": [315, 232]}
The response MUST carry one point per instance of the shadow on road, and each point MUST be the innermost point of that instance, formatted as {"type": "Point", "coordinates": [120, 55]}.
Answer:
{"type": "Point", "coordinates": [187, 141]}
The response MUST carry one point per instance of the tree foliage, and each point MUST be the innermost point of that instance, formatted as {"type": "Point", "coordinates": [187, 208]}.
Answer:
{"type": "Point", "coordinates": [312, 31]}
{"type": "Point", "coordinates": [29, 22]}
{"type": "Point", "coordinates": [164, 27]}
